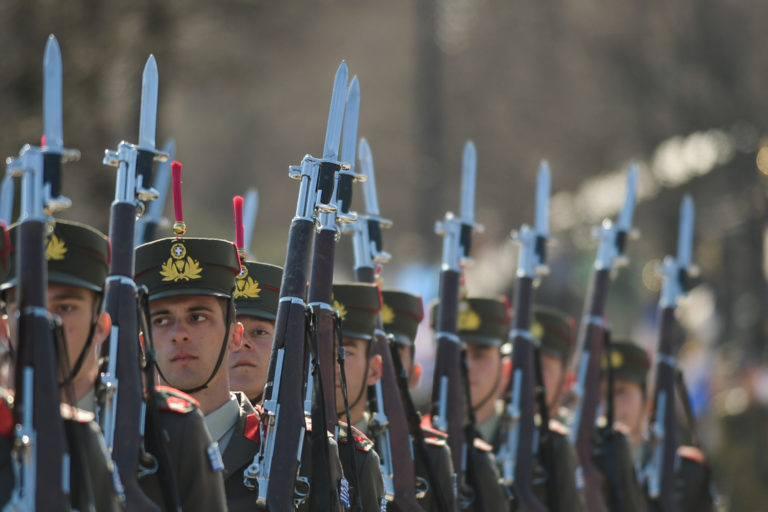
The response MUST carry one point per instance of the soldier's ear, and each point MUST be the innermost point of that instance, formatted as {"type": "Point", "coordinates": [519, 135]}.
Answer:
{"type": "Point", "coordinates": [103, 326]}
{"type": "Point", "coordinates": [374, 370]}
{"type": "Point", "coordinates": [237, 336]}
{"type": "Point", "coordinates": [415, 378]}
{"type": "Point", "coordinates": [506, 371]}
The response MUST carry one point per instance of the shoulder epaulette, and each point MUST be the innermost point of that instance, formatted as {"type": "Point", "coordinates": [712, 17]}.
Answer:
{"type": "Point", "coordinates": [70, 412]}
{"type": "Point", "coordinates": [558, 428]}
{"type": "Point", "coordinates": [308, 423]}
{"type": "Point", "coordinates": [6, 418]}
{"type": "Point", "coordinates": [432, 434]}
{"type": "Point", "coordinates": [251, 430]}
{"type": "Point", "coordinates": [362, 442]}
{"type": "Point", "coordinates": [692, 453]}
{"type": "Point", "coordinates": [482, 445]}
{"type": "Point", "coordinates": [171, 399]}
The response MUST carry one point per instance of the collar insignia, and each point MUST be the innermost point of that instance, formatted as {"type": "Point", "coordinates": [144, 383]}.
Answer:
{"type": "Point", "coordinates": [55, 249]}
{"type": "Point", "coordinates": [178, 268]}
{"type": "Point", "coordinates": [245, 286]}
{"type": "Point", "coordinates": [469, 320]}
{"type": "Point", "coordinates": [387, 314]}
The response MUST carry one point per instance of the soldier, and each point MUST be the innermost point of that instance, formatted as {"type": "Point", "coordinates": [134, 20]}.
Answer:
{"type": "Point", "coordinates": [191, 282]}
{"type": "Point", "coordinates": [401, 314]}
{"type": "Point", "coordinates": [630, 365]}
{"type": "Point", "coordinates": [77, 259]}
{"type": "Point", "coordinates": [483, 326]}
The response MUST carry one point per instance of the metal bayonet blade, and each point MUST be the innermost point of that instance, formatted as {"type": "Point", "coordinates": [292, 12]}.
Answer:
{"type": "Point", "coordinates": [351, 116]}
{"type": "Point", "coordinates": [162, 183]}
{"type": "Point", "coordinates": [52, 123]}
{"type": "Point", "coordinates": [624, 222]}
{"type": "Point", "coordinates": [369, 186]}
{"type": "Point", "coordinates": [685, 234]}
{"type": "Point", "coordinates": [336, 114]}
{"type": "Point", "coordinates": [468, 172]}
{"type": "Point", "coordinates": [542, 200]}
{"type": "Point", "coordinates": [250, 210]}
{"type": "Point", "coordinates": [148, 116]}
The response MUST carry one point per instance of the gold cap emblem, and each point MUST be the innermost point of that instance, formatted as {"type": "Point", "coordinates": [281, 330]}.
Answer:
{"type": "Point", "coordinates": [55, 249]}
{"type": "Point", "coordinates": [177, 268]}
{"type": "Point", "coordinates": [469, 320]}
{"type": "Point", "coordinates": [537, 331]}
{"type": "Point", "coordinates": [387, 314]}
{"type": "Point", "coordinates": [617, 360]}
{"type": "Point", "coordinates": [245, 286]}
{"type": "Point", "coordinates": [340, 308]}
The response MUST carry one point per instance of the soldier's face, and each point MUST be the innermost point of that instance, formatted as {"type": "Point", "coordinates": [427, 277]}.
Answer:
{"type": "Point", "coordinates": [484, 372]}
{"type": "Point", "coordinates": [355, 362]}
{"type": "Point", "coordinates": [187, 333]}
{"type": "Point", "coordinates": [629, 405]}
{"type": "Point", "coordinates": [248, 365]}
{"type": "Point", "coordinates": [77, 308]}
{"type": "Point", "coordinates": [552, 374]}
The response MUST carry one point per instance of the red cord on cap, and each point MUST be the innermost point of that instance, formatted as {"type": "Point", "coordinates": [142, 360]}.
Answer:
{"type": "Point", "coordinates": [42, 140]}
{"type": "Point", "coordinates": [179, 228]}
{"type": "Point", "coordinates": [237, 202]}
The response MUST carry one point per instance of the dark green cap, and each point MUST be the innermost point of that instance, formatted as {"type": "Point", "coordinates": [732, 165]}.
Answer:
{"type": "Point", "coordinates": [629, 361]}
{"type": "Point", "coordinates": [482, 320]}
{"type": "Point", "coordinates": [187, 266]}
{"type": "Point", "coordinates": [77, 255]}
{"type": "Point", "coordinates": [257, 290]}
{"type": "Point", "coordinates": [555, 330]}
{"type": "Point", "coordinates": [358, 305]}
{"type": "Point", "coordinates": [401, 315]}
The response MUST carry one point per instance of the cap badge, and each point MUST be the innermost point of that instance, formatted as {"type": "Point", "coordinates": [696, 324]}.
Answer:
{"type": "Point", "coordinates": [55, 249]}
{"type": "Point", "coordinates": [537, 331]}
{"type": "Point", "coordinates": [179, 268]}
{"type": "Point", "coordinates": [469, 320]}
{"type": "Point", "coordinates": [339, 307]}
{"type": "Point", "coordinates": [617, 359]}
{"type": "Point", "coordinates": [245, 286]}
{"type": "Point", "coordinates": [387, 314]}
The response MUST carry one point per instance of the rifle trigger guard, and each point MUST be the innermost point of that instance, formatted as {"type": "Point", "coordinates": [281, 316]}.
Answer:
{"type": "Point", "coordinates": [422, 487]}
{"type": "Point", "coordinates": [300, 491]}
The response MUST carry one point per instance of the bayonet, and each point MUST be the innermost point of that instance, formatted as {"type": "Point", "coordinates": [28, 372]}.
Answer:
{"type": "Point", "coordinates": [351, 116]}
{"type": "Point", "coordinates": [52, 101]}
{"type": "Point", "coordinates": [369, 187]}
{"type": "Point", "coordinates": [468, 172]}
{"type": "Point", "coordinates": [542, 200]}
{"type": "Point", "coordinates": [250, 210]}
{"type": "Point", "coordinates": [146, 224]}
{"type": "Point", "coordinates": [336, 114]}
{"type": "Point", "coordinates": [148, 115]}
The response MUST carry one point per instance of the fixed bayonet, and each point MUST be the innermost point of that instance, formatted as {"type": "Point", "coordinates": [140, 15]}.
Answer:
{"type": "Point", "coordinates": [533, 241]}
{"type": "Point", "coordinates": [52, 101]}
{"type": "Point", "coordinates": [146, 224]}
{"type": "Point", "coordinates": [336, 113]}
{"type": "Point", "coordinates": [148, 115]}
{"type": "Point", "coordinates": [468, 175]}
{"type": "Point", "coordinates": [351, 117]}
{"type": "Point", "coordinates": [613, 237]}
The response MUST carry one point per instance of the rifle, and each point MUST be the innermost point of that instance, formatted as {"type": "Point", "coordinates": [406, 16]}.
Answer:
{"type": "Point", "coordinates": [40, 450]}
{"type": "Point", "coordinates": [610, 254]}
{"type": "Point", "coordinates": [516, 457]}
{"type": "Point", "coordinates": [660, 470]}
{"type": "Point", "coordinates": [122, 405]}
{"type": "Point", "coordinates": [389, 423]}
{"type": "Point", "coordinates": [146, 225]}
{"type": "Point", "coordinates": [448, 408]}
{"type": "Point", "coordinates": [6, 200]}
{"type": "Point", "coordinates": [274, 468]}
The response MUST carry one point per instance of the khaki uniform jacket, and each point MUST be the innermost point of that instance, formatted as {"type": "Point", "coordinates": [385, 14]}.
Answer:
{"type": "Point", "coordinates": [239, 454]}
{"type": "Point", "coordinates": [200, 487]}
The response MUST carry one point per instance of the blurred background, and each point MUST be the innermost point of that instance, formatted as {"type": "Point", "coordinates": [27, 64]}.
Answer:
{"type": "Point", "coordinates": [588, 85]}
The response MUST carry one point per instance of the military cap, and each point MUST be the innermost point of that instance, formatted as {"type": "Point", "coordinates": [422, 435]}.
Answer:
{"type": "Point", "coordinates": [629, 361]}
{"type": "Point", "coordinates": [554, 329]}
{"type": "Point", "coordinates": [172, 267]}
{"type": "Point", "coordinates": [482, 320]}
{"type": "Point", "coordinates": [401, 314]}
{"type": "Point", "coordinates": [257, 290]}
{"type": "Point", "coordinates": [358, 305]}
{"type": "Point", "coordinates": [77, 255]}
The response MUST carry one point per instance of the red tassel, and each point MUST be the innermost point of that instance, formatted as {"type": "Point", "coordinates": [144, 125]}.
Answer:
{"type": "Point", "coordinates": [179, 228]}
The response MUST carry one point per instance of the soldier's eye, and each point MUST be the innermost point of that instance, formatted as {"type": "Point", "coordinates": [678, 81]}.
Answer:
{"type": "Point", "coordinates": [159, 321]}
{"type": "Point", "coordinates": [199, 317]}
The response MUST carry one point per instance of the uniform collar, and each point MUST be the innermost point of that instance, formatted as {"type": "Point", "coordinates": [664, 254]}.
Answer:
{"type": "Point", "coordinates": [221, 422]}
{"type": "Point", "coordinates": [88, 402]}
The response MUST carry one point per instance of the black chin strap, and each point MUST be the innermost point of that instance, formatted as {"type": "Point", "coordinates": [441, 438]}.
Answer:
{"type": "Point", "coordinates": [222, 351]}
{"type": "Point", "coordinates": [491, 394]}
{"type": "Point", "coordinates": [86, 349]}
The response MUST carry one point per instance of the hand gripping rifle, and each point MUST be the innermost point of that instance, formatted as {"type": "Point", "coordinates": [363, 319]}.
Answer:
{"type": "Point", "coordinates": [41, 458]}
{"type": "Point", "coordinates": [660, 470]}
{"type": "Point", "coordinates": [515, 457]}
{"type": "Point", "coordinates": [449, 409]}
{"type": "Point", "coordinates": [273, 471]}
{"type": "Point", "coordinates": [610, 254]}
{"type": "Point", "coordinates": [390, 429]}
{"type": "Point", "coordinates": [146, 225]}
{"type": "Point", "coordinates": [122, 406]}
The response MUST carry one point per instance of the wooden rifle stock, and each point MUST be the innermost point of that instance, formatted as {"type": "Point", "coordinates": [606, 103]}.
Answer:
{"type": "Point", "coordinates": [663, 416]}
{"type": "Point", "coordinates": [121, 302]}
{"type": "Point", "coordinates": [36, 353]}
{"type": "Point", "coordinates": [591, 339]}
{"type": "Point", "coordinates": [524, 376]}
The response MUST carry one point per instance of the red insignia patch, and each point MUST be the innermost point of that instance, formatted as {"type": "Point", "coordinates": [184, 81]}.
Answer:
{"type": "Point", "coordinates": [692, 453]}
{"type": "Point", "coordinates": [171, 399]}
{"type": "Point", "coordinates": [6, 419]}
{"type": "Point", "coordinates": [251, 430]}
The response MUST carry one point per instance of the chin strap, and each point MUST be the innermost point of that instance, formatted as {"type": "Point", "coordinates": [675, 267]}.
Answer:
{"type": "Point", "coordinates": [88, 343]}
